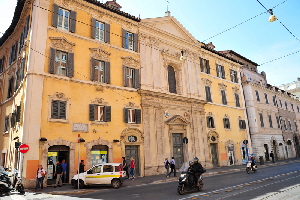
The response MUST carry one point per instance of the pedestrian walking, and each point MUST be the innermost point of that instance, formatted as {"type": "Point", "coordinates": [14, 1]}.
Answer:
{"type": "Point", "coordinates": [81, 166]}
{"type": "Point", "coordinates": [173, 167]}
{"type": "Point", "coordinates": [58, 173]}
{"type": "Point", "coordinates": [167, 166]}
{"type": "Point", "coordinates": [125, 167]}
{"type": "Point", "coordinates": [40, 174]}
{"type": "Point", "coordinates": [272, 156]}
{"type": "Point", "coordinates": [64, 166]}
{"type": "Point", "coordinates": [132, 168]}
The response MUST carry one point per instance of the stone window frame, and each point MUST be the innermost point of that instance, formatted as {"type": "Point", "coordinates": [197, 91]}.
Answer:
{"type": "Point", "coordinates": [207, 83]}
{"type": "Point", "coordinates": [99, 102]}
{"type": "Point", "coordinates": [61, 97]}
{"type": "Point", "coordinates": [226, 118]}
{"type": "Point", "coordinates": [178, 74]}
{"type": "Point", "coordinates": [208, 117]}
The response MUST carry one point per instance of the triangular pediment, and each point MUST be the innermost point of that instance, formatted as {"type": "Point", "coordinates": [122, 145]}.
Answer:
{"type": "Point", "coordinates": [177, 119]}
{"type": "Point", "coordinates": [170, 25]}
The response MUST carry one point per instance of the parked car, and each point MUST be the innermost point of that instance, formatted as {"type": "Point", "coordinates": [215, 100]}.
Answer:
{"type": "Point", "coordinates": [105, 173]}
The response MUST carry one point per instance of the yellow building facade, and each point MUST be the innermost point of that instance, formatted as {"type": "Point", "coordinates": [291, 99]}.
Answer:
{"type": "Point", "coordinates": [80, 84]}
{"type": "Point", "coordinates": [226, 121]}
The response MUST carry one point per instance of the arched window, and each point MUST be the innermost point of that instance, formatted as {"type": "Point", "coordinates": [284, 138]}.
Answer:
{"type": "Point", "coordinates": [171, 79]}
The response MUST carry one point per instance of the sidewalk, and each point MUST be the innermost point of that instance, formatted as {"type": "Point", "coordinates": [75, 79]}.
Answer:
{"type": "Point", "coordinates": [68, 189]}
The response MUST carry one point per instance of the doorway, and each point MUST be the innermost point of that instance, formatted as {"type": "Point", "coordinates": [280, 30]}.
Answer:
{"type": "Point", "coordinates": [133, 151]}
{"type": "Point", "coordinates": [214, 154]}
{"type": "Point", "coordinates": [266, 152]}
{"type": "Point", "coordinates": [178, 149]}
{"type": "Point", "coordinates": [57, 153]}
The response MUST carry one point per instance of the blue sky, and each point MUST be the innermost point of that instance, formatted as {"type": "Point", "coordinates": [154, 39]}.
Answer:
{"type": "Point", "coordinates": [257, 39]}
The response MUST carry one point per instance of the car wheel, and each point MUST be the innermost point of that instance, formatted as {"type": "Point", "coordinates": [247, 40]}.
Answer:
{"type": "Point", "coordinates": [81, 184]}
{"type": "Point", "coordinates": [116, 183]}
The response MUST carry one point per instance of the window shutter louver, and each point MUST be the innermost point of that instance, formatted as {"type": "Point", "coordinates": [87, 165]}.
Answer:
{"type": "Point", "coordinates": [126, 115]}
{"type": "Point", "coordinates": [92, 78]}
{"type": "Point", "coordinates": [92, 112]}
{"type": "Point", "coordinates": [13, 119]}
{"type": "Point", "coordinates": [138, 116]}
{"type": "Point", "coordinates": [52, 61]}
{"type": "Point", "coordinates": [70, 65]}
{"type": "Point", "coordinates": [135, 42]}
{"type": "Point", "coordinates": [223, 72]}
{"type": "Point", "coordinates": [72, 21]}
{"type": "Point", "coordinates": [201, 65]}
{"type": "Point", "coordinates": [93, 28]}
{"type": "Point", "coordinates": [237, 100]}
{"type": "Point", "coordinates": [18, 115]}
{"type": "Point", "coordinates": [208, 124]}
{"type": "Point", "coordinates": [62, 109]}
{"type": "Point", "coordinates": [224, 122]}
{"type": "Point", "coordinates": [125, 75]}
{"type": "Point", "coordinates": [107, 33]}
{"type": "Point", "coordinates": [123, 38]}
{"type": "Point", "coordinates": [26, 28]}
{"type": "Point", "coordinates": [207, 67]}
{"type": "Point", "coordinates": [107, 111]}
{"type": "Point", "coordinates": [137, 78]}
{"type": "Point", "coordinates": [54, 109]}
{"type": "Point", "coordinates": [107, 72]}
{"type": "Point", "coordinates": [217, 70]}
{"type": "Point", "coordinates": [55, 15]}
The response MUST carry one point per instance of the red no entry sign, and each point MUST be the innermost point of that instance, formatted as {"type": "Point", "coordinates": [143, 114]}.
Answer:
{"type": "Point", "coordinates": [24, 148]}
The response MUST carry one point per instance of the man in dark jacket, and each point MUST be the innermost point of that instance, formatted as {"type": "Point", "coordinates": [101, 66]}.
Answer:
{"type": "Point", "coordinates": [197, 169]}
{"type": "Point", "coordinates": [58, 173]}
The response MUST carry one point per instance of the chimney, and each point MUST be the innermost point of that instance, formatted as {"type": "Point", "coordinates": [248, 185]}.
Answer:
{"type": "Point", "coordinates": [168, 13]}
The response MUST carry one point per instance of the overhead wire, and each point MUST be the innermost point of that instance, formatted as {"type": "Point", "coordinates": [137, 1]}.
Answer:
{"type": "Point", "coordinates": [227, 75]}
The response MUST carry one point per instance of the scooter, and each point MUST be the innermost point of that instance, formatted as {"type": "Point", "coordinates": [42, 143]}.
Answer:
{"type": "Point", "coordinates": [17, 183]}
{"type": "Point", "coordinates": [249, 168]}
{"type": "Point", "coordinates": [187, 183]}
{"type": "Point", "coordinates": [5, 183]}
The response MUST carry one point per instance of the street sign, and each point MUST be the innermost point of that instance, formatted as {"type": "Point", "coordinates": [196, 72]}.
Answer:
{"type": "Point", "coordinates": [24, 148]}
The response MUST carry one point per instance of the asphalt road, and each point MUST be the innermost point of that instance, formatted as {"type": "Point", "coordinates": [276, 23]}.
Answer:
{"type": "Point", "coordinates": [266, 182]}
{"type": "Point", "coordinates": [272, 183]}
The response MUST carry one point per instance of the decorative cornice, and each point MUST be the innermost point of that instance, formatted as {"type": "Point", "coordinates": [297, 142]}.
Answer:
{"type": "Point", "coordinates": [100, 54]}
{"type": "Point", "coordinates": [235, 89]}
{"type": "Point", "coordinates": [129, 61]}
{"type": "Point", "coordinates": [222, 86]}
{"type": "Point", "coordinates": [206, 81]}
{"type": "Point", "coordinates": [62, 43]}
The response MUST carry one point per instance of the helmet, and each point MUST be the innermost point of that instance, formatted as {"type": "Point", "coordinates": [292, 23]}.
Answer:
{"type": "Point", "coordinates": [196, 159]}
{"type": "Point", "coordinates": [191, 163]}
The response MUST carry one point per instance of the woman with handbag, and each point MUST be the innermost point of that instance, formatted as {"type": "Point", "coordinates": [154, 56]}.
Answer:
{"type": "Point", "coordinates": [40, 174]}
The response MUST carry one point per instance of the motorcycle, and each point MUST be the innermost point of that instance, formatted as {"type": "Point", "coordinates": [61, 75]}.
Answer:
{"type": "Point", "coordinates": [5, 183]}
{"type": "Point", "coordinates": [6, 186]}
{"type": "Point", "coordinates": [17, 183]}
{"type": "Point", "coordinates": [249, 168]}
{"type": "Point", "coordinates": [187, 183]}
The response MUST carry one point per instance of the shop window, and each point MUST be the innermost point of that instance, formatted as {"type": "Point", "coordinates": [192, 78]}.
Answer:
{"type": "Point", "coordinates": [99, 154]}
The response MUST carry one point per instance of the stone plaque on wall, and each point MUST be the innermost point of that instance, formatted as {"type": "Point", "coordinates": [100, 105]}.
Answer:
{"type": "Point", "coordinates": [80, 127]}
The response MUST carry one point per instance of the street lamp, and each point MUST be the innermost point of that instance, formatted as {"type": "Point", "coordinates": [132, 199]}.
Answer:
{"type": "Point", "coordinates": [272, 17]}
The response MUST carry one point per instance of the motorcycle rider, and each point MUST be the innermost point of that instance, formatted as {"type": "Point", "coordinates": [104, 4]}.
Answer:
{"type": "Point", "coordinates": [197, 169]}
{"type": "Point", "coordinates": [252, 162]}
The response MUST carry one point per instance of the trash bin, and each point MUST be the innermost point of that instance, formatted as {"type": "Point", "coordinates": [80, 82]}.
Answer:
{"type": "Point", "coordinates": [261, 160]}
